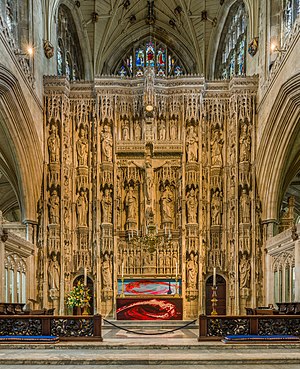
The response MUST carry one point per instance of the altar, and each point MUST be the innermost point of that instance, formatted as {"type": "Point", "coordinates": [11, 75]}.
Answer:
{"type": "Point", "coordinates": [149, 308]}
{"type": "Point", "coordinates": [149, 300]}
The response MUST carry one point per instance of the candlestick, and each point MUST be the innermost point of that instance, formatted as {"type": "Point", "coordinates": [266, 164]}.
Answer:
{"type": "Point", "coordinates": [214, 301]}
{"type": "Point", "coordinates": [85, 276]}
{"type": "Point", "coordinates": [215, 277]}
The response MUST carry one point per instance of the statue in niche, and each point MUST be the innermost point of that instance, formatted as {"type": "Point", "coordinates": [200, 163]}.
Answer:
{"type": "Point", "coordinates": [168, 261]}
{"type": "Point", "coordinates": [107, 143]}
{"type": "Point", "coordinates": [106, 273]}
{"type": "Point", "coordinates": [245, 207]}
{"type": "Point", "coordinates": [216, 149]}
{"type": "Point", "coordinates": [167, 202]}
{"type": "Point", "coordinates": [54, 208]}
{"type": "Point", "coordinates": [192, 206]}
{"type": "Point", "coordinates": [82, 148]}
{"type": "Point", "coordinates": [173, 129]}
{"type": "Point", "coordinates": [192, 144]}
{"type": "Point", "coordinates": [245, 269]}
{"type": "Point", "coordinates": [216, 208]}
{"type": "Point", "coordinates": [149, 179]}
{"type": "Point", "coordinates": [131, 204]}
{"type": "Point", "coordinates": [67, 213]}
{"type": "Point", "coordinates": [131, 261]}
{"type": "Point", "coordinates": [82, 209]}
{"type": "Point", "coordinates": [53, 273]}
{"type": "Point", "coordinates": [125, 129]}
{"type": "Point", "coordinates": [161, 261]}
{"type": "Point", "coordinates": [175, 262]}
{"type": "Point", "coordinates": [53, 145]}
{"type": "Point", "coordinates": [106, 206]}
{"type": "Point", "coordinates": [192, 271]}
{"type": "Point", "coordinates": [137, 130]}
{"type": "Point", "coordinates": [162, 129]}
{"type": "Point", "coordinates": [245, 143]}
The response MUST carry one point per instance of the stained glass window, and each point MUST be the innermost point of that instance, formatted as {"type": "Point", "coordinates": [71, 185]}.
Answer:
{"type": "Point", "coordinates": [151, 54]}
{"type": "Point", "coordinates": [69, 58]}
{"type": "Point", "coordinates": [231, 59]}
{"type": "Point", "coordinates": [291, 10]}
{"type": "Point", "coordinates": [9, 15]}
{"type": "Point", "coordinates": [68, 67]}
{"type": "Point", "coordinates": [140, 58]}
{"type": "Point", "coordinates": [59, 60]}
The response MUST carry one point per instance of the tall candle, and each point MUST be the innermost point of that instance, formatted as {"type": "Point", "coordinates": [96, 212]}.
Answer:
{"type": "Point", "coordinates": [122, 269]}
{"type": "Point", "coordinates": [176, 269]}
{"type": "Point", "coordinates": [85, 277]}
{"type": "Point", "coordinates": [215, 277]}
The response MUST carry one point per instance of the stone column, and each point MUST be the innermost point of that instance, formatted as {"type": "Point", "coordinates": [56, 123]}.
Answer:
{"type": "Point", "coordinates": [2, 269]}
{"type": "Point", "coordinates": [297, 270]}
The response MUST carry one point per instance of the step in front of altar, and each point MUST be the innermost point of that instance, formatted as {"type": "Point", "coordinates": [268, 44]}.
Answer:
{"type": "Point", "coordinates": [150, 353]}
{"type": "Point", "coordinates": [144, 329]}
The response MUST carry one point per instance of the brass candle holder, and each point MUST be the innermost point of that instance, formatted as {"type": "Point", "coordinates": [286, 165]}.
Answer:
{"type": "Point", "coordinates": [214, 300]}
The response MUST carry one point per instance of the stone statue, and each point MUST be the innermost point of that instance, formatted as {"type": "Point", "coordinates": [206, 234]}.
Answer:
{"type": "Point", "coordinates": [125, 129]}
{"type": "Point", "coordinates": [173, 129]}
{"type": "Point", "coordinates": [107, 143]}
{"type": "Point", "coordinates": [161, 129]}
{"type": "Point", "coordinates": [192, 206]}
{"type": "Point", "coordinates": [167, 203]}
{"type": "Point", "coordinates": [245, 269]}
{"type": "Point", "coordinates": [216, 208]}
{"type": "Point", "coordinates": [53, 273]}
{"type": "Point", "coordinates": [192, 144]}
{"type": "Point", "coordinates": [54, 145]}
{"type": "Point", "coordinates": [192, 271]}
{"type": "Point", "coordinates": [82, 148]}
{"type": "Point", "coordinates": [54, 208]}
{"type": "Point", "coordinates": [137, 130]}
{"type": "Point", "coordinates": [107, 207]}
{"type": "Point", "coordinates": [131, 261]}
{"type": "Point", "coordinates": [131, 204]}
{"type": "Point", "coordinates": [245, 207]}
{"type": "Point", "coordinates": [106, 273]}
{"type": "Point", "coordinates": [245, 143]}
{"type": "Point", "coordinates": [168, 261]}
{"type": "Point", "coordinates": [82, 209]}
{"type": "Point", "coordinates": [216, 149]}
{"type": "Point", "coordinates": [148, 179]}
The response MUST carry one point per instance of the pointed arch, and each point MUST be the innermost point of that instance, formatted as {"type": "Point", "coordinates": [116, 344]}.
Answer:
{"type": "Point", "coordinates": [21, 154]}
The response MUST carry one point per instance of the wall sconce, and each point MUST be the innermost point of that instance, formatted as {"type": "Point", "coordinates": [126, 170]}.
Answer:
{"type": "Point", "coordinates": [27, 54]}
{"type": "Point", "coordinates": [275, 49]}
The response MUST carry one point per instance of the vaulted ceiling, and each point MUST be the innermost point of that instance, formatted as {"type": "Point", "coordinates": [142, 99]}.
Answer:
{"type": "Point", "coordinates": [185, 26]}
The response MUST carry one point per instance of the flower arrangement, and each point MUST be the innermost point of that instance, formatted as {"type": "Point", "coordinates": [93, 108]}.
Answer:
{"type": "Point", "coordinates": [79, 296]}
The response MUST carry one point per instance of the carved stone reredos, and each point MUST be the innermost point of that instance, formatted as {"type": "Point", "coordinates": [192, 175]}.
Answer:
{"type": "Point", "coordinates": [161, 194]}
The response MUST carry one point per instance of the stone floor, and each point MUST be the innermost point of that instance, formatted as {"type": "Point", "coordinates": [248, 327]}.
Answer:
{"type": "Point", "coordinates": [131, 351]}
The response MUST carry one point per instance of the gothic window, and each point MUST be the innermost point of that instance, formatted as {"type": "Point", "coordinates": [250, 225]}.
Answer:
{"type": "Point", "coordinates": [291, 10]}
{"type": "Point", "coordinates": [69, 58]}
{"type": "Point", "coordinates": [15, 279]}
{"type": "Point", "coordinates": [231, 58]}
{"type": "Point", "coordinates": [151, 54]}
{"type": "Point", "coordinates": [60, 59]}
{"type": "Point", "coordinates": [284, 278]}
{"type": "Point", "coordinates": [9, 15]}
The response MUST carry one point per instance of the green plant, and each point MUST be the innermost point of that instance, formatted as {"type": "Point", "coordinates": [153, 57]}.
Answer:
{"type": "Point", "coordinates": [79, 296]}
